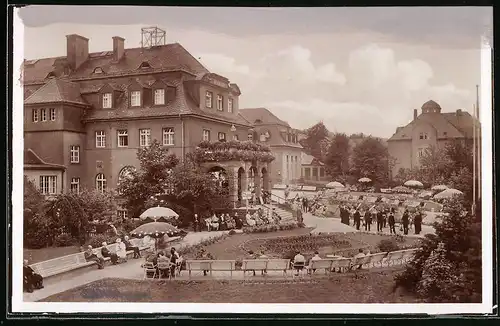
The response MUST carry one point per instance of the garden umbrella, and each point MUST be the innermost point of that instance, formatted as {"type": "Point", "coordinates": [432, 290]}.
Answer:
{"type": "Point", "coordinates": [401, 189]}
{"type": "Point", "coordinates": [334, 184]}
{"type": "Point", "coordinates": [158, 212]}
{"type": "Point", "coordinates": [155, 230]}
{"type": "Point", "coordinates": [425, 194]}
{"type": "Point", "coordinates": [365, 180]}
{"type": "Point", "coordinates": [448, 193]}
{"type": "Point", "coordinates": [439, 187]}
{"type": "Point", "coordinates": [413, 183]}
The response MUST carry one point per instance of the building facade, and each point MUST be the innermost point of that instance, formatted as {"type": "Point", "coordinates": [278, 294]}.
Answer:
{"type": "Point", "coordinates": [429, 128]}
{"type": "Point", "coordinates": [313, 170]}
{"type": "Point", "coordinates": [283, 141]}
{"type": "Point", "coordinates": [88, 113]}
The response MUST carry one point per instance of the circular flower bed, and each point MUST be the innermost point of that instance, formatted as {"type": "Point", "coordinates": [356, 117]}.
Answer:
{"type": "Point", "coordinates": [303, 243]}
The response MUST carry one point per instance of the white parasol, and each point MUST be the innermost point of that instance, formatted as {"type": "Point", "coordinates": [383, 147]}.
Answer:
{"type": "Point", "coordinates": [413, 183]}
{"type": "Point", "coordinates": [439, 187]}
{"type": "Point", "coordinates": [365, 180]}
{"type": "Point", "coordinates": [158, 212]}
{"type": "Point", "coordinates": [334, 184]}
{"type": "Point", "coordinates": [448, 193]}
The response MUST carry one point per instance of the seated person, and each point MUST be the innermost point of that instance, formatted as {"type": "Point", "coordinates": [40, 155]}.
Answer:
{"type": "Point", "coordinates": [249, 256]}
{"type": "Point", "coordinates": [359, 255]}
{"type": "Point", "coordinates": [204, 255]}
{"type": "Point", "coordinates": [315, 257]}
{"type": "Point", "coordinates": [299, 262]}
{"type": "Point", "coordinates": [163, 259]}
{"type": "Point", "coordinates": [31, 280]}
{"type": "Point", "coordinates": [121, 250]}
{"type": "Point", "coordinates": [91, 256]}
{"type": "Point", "coordinates": [130, 246]}
{"type": "Point", "coordinates": [106, 253]}
{"type": "Point", "coordinates": [249, 220]}
{"type": "Point", "coordinates": [263, 256]}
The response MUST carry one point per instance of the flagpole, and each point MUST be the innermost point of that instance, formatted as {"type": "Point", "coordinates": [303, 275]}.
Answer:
{"type": "Point", "coordinates": [478, 142]}
{"type": "Point", "coordinates": [473, 160]}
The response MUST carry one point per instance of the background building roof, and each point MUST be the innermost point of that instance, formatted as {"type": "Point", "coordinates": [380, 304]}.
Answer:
{"type": "Point", "coordinates": [56, 90]}
{"type": "Point", "coordinates": [259, 116]}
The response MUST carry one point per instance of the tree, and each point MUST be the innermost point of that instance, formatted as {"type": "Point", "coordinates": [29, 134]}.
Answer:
{"type": "Point", "coordinates": [337, 157]}
{"type": "Point", "coordinates": [463, 181]}
{"type": "Point", "coordinates": [434, 166]}
{"type": "Point", "coordinates": [314, 143]}
{"type": "Point", "coordinates": [459, 153]}
{"type": "Point", "coordinates": [37, 225]}
{"type": "Point", "coordinates": [150, 180]}
{"type": "Point", "coordinates": [371, 159]}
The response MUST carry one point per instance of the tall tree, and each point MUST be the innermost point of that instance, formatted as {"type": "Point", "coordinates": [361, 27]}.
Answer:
{"type": "Point", "coordinates": [460, 154]}
{"type": "Point", "coordinates": [337, 157]}
{"type": "Point", "coordinates": [151, 179]}
{"type": "Point", "coordinates": [314, 143]}
{"type": "Point", "coordinates": [371, 159]}
{"type": "Point", "coordinates": [435, 166]}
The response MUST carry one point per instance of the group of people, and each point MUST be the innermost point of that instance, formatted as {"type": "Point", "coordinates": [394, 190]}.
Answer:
{"type": "Point", "coordinates": [164, 263]}
{"type": "Point", "coordinates": [382, 216]}
{"type": "Point", "coordinates": [119, 256]}
{"type": "Point", "coordinates": [261, 217]}
{"type": "Point", "coordinates": [216, 222]}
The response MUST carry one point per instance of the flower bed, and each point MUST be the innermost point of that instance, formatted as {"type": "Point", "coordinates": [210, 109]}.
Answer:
{"type": "Point", "coordinates": [232, 151]}
{"type": "Point", "coordinates": [272, 227]}
{"type": "Point", "coordinates": [304, 243]}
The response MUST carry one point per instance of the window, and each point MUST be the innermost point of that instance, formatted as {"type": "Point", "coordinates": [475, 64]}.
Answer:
{"type": "Point", "coordinates": [100, 139]}
{"type": "Point", "coordinates": [98, 70]}
{"type": "Point", "coordinates": [34, 115]}
{"type": "Point", "coordinates": [100, 182]}
{"type": "Point", "coordinates": [250, 136]}
{"type": "Point", "coordinates": [221, 136]}
{"type": "Point", "coordinates": [220, 102]}
{"type": "Point", "coordinates": [208, 99]}
{"type": "Point", "coordinates": [235, 137]}
{"type": "Point", "coordinates": [52, 113]}
{"type": "Point", "coordinates": [230, 105]}
{"type": "Point", "coordinates": [321, 172]}
{"type": "Point", "coordinates": [168, 136]}
{"type": "Point", "coordinates": [122, 138]}
{"type": "Point", "coordinates": [287, 158]}
{"type": "Point", "coordinates": [144, 137]}
{"type": "Point", "coordinates": [122, 214]}
{"type": "Point", "coordinates": [107, 100]}
{"type": "Point", "coordinates": [43, 113]}
{"type": "Point", "coordinates": [445, 133]}
{"type": "Point", "coordinates": [307, 172]}
{"type": "Point", "coordinates": [314, 172]}
{"type": "Point", "coordinates": [423, 135]}
{"type": "Point", "coordinates": [421, 152]}
{"type": "Point", "coordinates": [48, 184]}
{"type": "Point", "coordinates": [135, 98]}
{"type": "Point", "coordinates": [206, 135]}
{"type": "Point", "coordinates": [75, 185]}
{"type": "Point", "coordinates": [74, 154]}
{"type": "Point", "coordinates": [159, 96]}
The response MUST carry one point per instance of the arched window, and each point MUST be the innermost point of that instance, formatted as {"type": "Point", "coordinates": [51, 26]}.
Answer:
{"type": "Point", "coordinates": [100, 182]}
{"type": "Point", "coordinates": [126, 173]}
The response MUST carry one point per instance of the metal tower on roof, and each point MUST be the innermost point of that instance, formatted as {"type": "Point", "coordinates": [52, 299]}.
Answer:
{"type": "Point", "coordinates": [152, 36]}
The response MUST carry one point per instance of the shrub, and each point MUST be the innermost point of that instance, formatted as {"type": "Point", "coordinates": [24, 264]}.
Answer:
{"type": "Point", "coordinates": [96, 240]}
{"type": "Point", "coordinates": [232, 232]}
{"type": "Point", "coordinates": [64, 240]}
{"type": "Point", "coordinates": [387, 245]}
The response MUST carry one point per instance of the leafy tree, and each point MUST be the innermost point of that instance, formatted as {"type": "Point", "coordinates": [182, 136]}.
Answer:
{"type": "Point", "coordinates": [156, 164]}
{"type": "Point", "coordinates": [337, 158]}
{"type": "Point", "coordinates": [37, 225]}
{"type": "Point", "coordinates": [460, 155]}
{"type": "Point", "coordinates": [314, 143]}
{"type": "Point", "coordinates": [463, 181]}
{"type": "Point", "coordinates": [371, 159]}
{"type": "Point", "coordinates": [434, 166]}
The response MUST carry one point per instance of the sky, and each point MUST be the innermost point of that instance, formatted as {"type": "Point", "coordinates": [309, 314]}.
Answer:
{"type": "Point", "coordinates": [356, 69]}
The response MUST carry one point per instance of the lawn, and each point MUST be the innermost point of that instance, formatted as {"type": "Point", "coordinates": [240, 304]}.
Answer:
{"type": "Point", "coordinates": [38, 255]}
{"type": "Point", "coordinates": [362, 287]}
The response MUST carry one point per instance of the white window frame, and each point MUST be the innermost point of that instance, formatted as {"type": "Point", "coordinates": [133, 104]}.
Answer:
{"type": "Point", "coordinates": [230, 105]}
{"type": "Point", "coordinates": [75, 183]}
{"type": "Point", "coordinates": [43, 115]}
{"type": "Point", "coordinates": [74, 154]}
{"type": "Point", "coordinates": [168, 136]}
{"type": "Point", "coordinates": [135, 98]}
{"type": "Point", "coordinates": [220, 102]}
{"type": "Point", "coordinates": [159, 96]}
{"type": "Point", "coordinates": [209, 96]}
{"type": "Point", "coordinates": [34, 115]}
{"type": "Point", "coordinates": [52, 113]}
{"type": "Point", "coordinates": [421, 152]}
{"type": "Point", "coordinates": [107, 100]}
{"type": "Point", "coordinates": [144, 137]}
{"type": "Point", "coordinates": [100, 139]}
{"type": "Point", "coordinates": [122, 134]}
{"type": "Point", "coordinates": [206, 135]}
{"type": "Point", "coordinates": [100, 182]}
{"type": "Point", "coordinates": [48, 184]}
{"type": "Point", "coordinates": [122, 213]}
{"type": "Point", "coordinates": [235, 137]}
{"type": "Point", "coordinates": [223, 134]}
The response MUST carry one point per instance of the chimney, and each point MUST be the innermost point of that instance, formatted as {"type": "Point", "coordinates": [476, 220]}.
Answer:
{"type": "Point", "coordinates": [415, 114]}
{"type": "Point", "coordinates": [118, 48]}
{"type": "Point", "coordinates": [459, 113]}
{"type": "Point", "coordinates": [77, 50]}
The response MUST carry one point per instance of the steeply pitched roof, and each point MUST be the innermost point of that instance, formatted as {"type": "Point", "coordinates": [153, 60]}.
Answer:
{"type": "Point", "coordinates": [37, 70]}
{"type": "Point", "coordinates": [309, 159]}
{"type": "Point", "coordinates": [463, 121]}
{"type": "Point", "coordinates": [262, 116]}
{"type": "Point", "coordinates": [33, 161]}
{"type": "Point", "coordinates": [56, 90]}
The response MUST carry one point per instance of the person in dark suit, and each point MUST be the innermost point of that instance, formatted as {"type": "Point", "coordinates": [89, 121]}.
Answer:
{"type": "Point", "coordinates": [106, 253]}
{"type": "Point", "coordinates": [417, 221]}
{"type": "Point", "coordinates": [91, 256]}
{"type": "Point", "coordinates": [392, 222]}
{"type": "Point", "coordinates": [357, 219]}
{"type": "Point", "coordinates": [380, 220]}
{"type": "Point", "coordinates": [367, 220]}
{"type": "Point", "coordinates": [31, 280]}
{"type": "Point", "coordinates": [406, 222]}
{"type": "Point", "coordinates": [129, 246]}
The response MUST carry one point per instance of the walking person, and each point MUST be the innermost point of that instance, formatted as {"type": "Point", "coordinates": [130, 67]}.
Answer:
{"type": "Point", "coordinates": [367, 220]}
{"type": "Point", "coordinates": [406, 221]}
{"type": "Point", "coordinates": [392, 222]}
{"type": "Point", "coordinates": [380, 220]}
{"type": "Point", "coordinates": [417, 221]}
{"type": "Point", "coordinates": [384, 217]}
{"type": "Point", "coordinates": [357, 219]}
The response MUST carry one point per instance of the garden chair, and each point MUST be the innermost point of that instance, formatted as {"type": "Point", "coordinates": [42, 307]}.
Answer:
{"type": "Point", "coordinates": [164, 268]}
{"type": "Point", "coordinates": [299, 268]}
{"type": "Point", "coordinates": [149, 268]}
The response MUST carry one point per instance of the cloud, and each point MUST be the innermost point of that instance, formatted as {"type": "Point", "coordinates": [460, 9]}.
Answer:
{"type": "Point", "coordinates": [222, 64]}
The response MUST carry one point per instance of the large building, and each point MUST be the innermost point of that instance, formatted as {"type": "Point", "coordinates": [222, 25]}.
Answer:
{"type": "Point", "coordinates": [429, 128]}
{"type": "Point", "coordinates": [283, 141]}
{"type": "Point", "coordinates": [86, 114]}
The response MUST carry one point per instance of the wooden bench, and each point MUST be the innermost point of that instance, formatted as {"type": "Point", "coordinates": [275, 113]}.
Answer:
{"type": "Point", "coordinates": [394, 257]}
{"type": "Point", "coordinates": [325, 264]}
{"type": "Point", "coordinates": [377, 258]}
{"type": "Point", "coordinates": [408, 255]}
{"type": "Point", "coordinates": [250, 265]}
{"type": "Point", "coordinates": [210, 265]}
{"type": "Point", "coordinates": [61, 265]}
{"type": "Point", "coordinates": [342, 264]}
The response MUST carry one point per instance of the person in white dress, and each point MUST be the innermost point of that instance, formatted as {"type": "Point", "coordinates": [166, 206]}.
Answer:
{"type": "Point", "coordinates": [249, 219]}
{"type": "Point", "coordinates": [121, 250]}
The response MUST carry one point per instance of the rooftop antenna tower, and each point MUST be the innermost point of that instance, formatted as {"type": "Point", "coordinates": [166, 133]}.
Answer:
{"type": "Point", "coordinates": [152, 36]}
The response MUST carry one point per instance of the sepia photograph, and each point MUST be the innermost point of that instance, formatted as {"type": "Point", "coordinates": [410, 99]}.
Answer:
{"type": "Point", "coordinates": [204, 160]}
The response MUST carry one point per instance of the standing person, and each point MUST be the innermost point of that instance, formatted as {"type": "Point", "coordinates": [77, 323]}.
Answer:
{"type": "Point", "coordinates": [367, 220]}
{"type": "Point", "coordinates": [174, 257]}
{"type": "Point", "coordinates": [196, 222]}
{"type": "Point", "coordinates": [417, 221]}
{"type": "Point", "coordinates": [392, 222]}
{"type": "Point", "coordinates": [406, 221]}
{"type": "Point", "coordinates": [130, 246]}
{"type": "Point", "coordinates": [380, 221]}
{"type": "Point", "coordinates": [357, 219]}
{"type": "Point", "coordinates": [306, 204]}
{"type": "Point", "coordinates": [384, 217]}
{"type": "Point", "coordinates": [106, 253]}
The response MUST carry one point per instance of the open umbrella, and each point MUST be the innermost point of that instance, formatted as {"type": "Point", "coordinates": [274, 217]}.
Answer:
{"type": "Point", "coordinates": [448, 193]}
{"type": "Point", "coordinates": [401, 189]}
{"type": "Point", "coordinates": [439, 187]}
{"type": "Point", "coordinates": [158, 212]}
{"type": "Point", "coordinates": [334, 184]}
{"type": "Point", "coordinates": [155, 230]}
{"type": "Point", "coordinates": [413, 183]}
{"type": "Point", "coordinates": [365, 180]}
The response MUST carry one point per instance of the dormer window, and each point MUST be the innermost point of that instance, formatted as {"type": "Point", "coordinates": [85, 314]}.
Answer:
{"type": "Point", "coordinates": [208, 99]}
{"type": "Point", "coordinates": [159, 96]}
{"type": "Point", "coordinates": [230, 105]}
{"type": "Point", "coordinates": [145, 65]}
{"type": "Point", "coordinates": [135, 98]}
{"type": "Point", "coordinates": [98, 70]}
{"type": "Point", "coordinates": [107, 100]}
